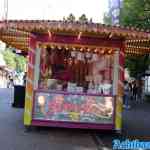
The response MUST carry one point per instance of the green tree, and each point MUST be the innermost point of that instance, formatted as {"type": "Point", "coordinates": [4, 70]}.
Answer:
{"type": "Point", "coordinates": [9, 58]}
{"type": "Point", "coordinates": [20, 63]}
{"type": "Point", "coordinates": [107, 19]}
{"type": "Point", "coordinates": [136, 13]}
{"type": "Point", "coordinates": [83, 18]}
{"type": "Point", "coordinates": [14, 61]}
{"type": "Point", "coordinates": [71, 18]}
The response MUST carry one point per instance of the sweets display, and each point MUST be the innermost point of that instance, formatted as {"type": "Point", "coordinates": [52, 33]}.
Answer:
{"type": "Point", "coordinates": [76, 71]}
{"type": "Point", "coordinates": [73, 108]}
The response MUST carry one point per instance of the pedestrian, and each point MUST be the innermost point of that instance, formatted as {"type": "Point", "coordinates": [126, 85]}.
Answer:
{"type": "Point", "coordinates": [126, 95]}
{"type": "Point", "coordinates": [24, 79]}
{"type": "Point", "coordinates": [134, 91]}
{"type": "Point", "coordinates": [139, 91]}
{"type": "Point", "coordinates": [131, 90]}
{"type": "Point", "coordinates": [10, 82]}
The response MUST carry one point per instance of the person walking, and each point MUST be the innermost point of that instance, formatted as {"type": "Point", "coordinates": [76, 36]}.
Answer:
{"type": "Point", "coordinates": [134, 91]}
{"type": "Point", "coordinates": [139, 91]}
{"type": "Point", "coordinates": [126, 95]}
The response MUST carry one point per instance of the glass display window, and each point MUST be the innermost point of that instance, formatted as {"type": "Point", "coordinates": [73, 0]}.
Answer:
{"type": "Point", "coordinates": [76, 71]}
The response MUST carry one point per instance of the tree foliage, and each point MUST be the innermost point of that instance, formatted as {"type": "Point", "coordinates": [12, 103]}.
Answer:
{"type": "Point", "coordinates": [71, 18]}
{"type": "Point", "coordinates": [9, 58]}
{"type": "Point", "coordinates": [107, 19]}
{"type": "Point", "coordinates": [83, 18]}
{"type": "Point", "coordinates": [14, 61]}
{"type": "Point", "coordinates": [136, 13]}
{"type": "Point", "coordinates": [20, 63]}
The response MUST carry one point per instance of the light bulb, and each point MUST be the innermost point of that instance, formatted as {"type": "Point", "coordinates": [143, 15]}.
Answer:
{"type": "Point", "coordinates": [41, 100]}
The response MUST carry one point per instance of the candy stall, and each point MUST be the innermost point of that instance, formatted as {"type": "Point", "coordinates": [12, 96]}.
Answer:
{"type": "Point", "coordinates": [75, 71]}
{"type": "Point", "coordinates": [75, 86]}
{"type": "Point", "coordinates": [77, 77]}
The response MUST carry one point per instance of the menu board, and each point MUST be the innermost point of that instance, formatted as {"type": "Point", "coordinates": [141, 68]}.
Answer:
{"type": "Point", "coordinates": [73, 108]}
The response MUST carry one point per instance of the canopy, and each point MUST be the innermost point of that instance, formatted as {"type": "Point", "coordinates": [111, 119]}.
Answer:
{"type": "Point", "coordinates": [17, 33]}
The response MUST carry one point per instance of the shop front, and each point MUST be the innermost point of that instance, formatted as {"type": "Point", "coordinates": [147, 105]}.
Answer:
{"type": "Point", "coordinates": [75, 71]}
{"type": "Point", "coordinates": [76, 82]}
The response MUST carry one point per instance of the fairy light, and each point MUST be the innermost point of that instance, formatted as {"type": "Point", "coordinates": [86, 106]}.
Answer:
{"type": "Point", "coordinates": [102, 51]}
{"type": "Point", "coordinates": [52, 47]}
{"type": "Point", "coordinates": [49, 34]}
{"type": "Point", "coordinates": [59, 47]}
{"type": "Point", "coordinates": [79, 35]}
{"type": "Point", "coordinates": [41, 100]}
{"type": "Point", "coordinates": [110, 51]}
{"type": "Point", "coordinates": [95, 50]}
{"type": "Point", "coordinates": [81, 49]}
{"type": "Point", "coordinates": [88, 50]}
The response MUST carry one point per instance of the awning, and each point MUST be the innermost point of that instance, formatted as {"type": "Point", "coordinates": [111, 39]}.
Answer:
{"type": "Point", "coordinates": [17, 32]}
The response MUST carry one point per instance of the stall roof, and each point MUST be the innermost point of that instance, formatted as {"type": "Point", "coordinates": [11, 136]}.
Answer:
{"type": "Point", "coordinates": [16, 33]}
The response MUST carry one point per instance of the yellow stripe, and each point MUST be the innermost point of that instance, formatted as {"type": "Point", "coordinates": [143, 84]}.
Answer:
{"type": "Point", "coordinates": [118, 117]}
{"type": "Point", "coordinates": [28, 111]}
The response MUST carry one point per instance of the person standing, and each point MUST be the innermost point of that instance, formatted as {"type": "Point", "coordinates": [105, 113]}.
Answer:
{"type": "Point", "coordinates": [126, 95]}
{"type": "Point", "coordinates": [134, 92]}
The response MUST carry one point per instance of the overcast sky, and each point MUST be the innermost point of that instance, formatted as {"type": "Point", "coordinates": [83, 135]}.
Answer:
{"type": "Point", "coordinates": [54, 9]}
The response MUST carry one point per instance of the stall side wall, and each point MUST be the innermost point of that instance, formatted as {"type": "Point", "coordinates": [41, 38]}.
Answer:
{"type": "Point", "coordinates": [120, 90]}
{"type": "Point", "coordinates": [30, 83]}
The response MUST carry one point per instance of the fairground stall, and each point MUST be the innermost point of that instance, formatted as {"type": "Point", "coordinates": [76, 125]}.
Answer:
{"type": "Point", "coordinates": [75, 71]}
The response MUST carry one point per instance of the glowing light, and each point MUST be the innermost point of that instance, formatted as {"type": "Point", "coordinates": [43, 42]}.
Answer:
{"type": "Point", "coordinates": [49, 34]}
{"type": "Point", "coordinates": [52, 47]}
{"type": "Point", "coordinates": [79, 35]}
{"type": "Point", "coordinates": [41, 100]}
{"type": "Point", "coordinates": [102, 51]}
{"type": "Point", "coordinates": [81, 49]}
{"type": "Point", "coordinates": [59, 47]}
{"type": "Point", "coordinates": [88, 50]}
{"type": "Point", "coordinates": [95, 50]}
{"type": "Point", "coordinates": [110, 51]}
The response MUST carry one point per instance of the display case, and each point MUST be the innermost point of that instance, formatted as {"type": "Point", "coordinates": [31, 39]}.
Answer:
{"type": "Point", "coordinates": [73, 107]}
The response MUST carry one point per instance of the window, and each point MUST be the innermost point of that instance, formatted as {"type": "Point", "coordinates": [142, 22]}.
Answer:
{"type": "Point", "coordinates": [72, 70]}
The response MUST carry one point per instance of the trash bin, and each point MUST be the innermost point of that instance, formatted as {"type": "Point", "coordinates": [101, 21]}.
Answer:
{"type": "Point", "coordinates": [19, 96]}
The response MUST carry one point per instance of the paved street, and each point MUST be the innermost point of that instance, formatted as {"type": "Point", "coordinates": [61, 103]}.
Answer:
{"type": "Point", "coordinates": [136, 121]}
{"type": "Point", "coordinates": [14, 137]}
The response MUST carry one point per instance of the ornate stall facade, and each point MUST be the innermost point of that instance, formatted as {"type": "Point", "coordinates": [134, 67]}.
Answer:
{"type": "Point", "coordinates": [75, 71]}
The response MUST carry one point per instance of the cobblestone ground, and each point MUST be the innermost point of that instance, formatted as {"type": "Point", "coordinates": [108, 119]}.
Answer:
{"type": "Point", "coordinates": [14, 137]}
